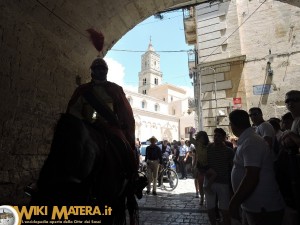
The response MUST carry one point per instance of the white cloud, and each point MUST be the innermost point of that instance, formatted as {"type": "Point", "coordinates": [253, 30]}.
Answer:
{"type": "Point", "coordinates": [116, 74]}
{"type": "Point", "coordinates": [131, 88]}
{"type": "Point", "coordinates": [116, 71]}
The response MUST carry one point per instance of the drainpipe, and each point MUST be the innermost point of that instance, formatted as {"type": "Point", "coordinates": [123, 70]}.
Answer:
{"type": "Point", "coordinates": [200, 111]}
{"type": "Point", "coordinates": [215, 88]}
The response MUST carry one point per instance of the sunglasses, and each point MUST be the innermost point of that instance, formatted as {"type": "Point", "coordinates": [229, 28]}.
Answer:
{"type": "Point", "coordinates": [288, 100]}
{"type": "Point", "coordinates": [253, 114]}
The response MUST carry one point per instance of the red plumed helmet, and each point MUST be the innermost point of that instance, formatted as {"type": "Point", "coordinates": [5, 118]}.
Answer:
{"type": "Point", "coordinates": [97, 39]}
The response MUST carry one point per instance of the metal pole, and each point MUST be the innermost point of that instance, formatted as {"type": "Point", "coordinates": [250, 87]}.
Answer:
{"type": "Point", "coordinates": [200, 114]}
{"type": "Point", "coordinates": [215, 88]}
{"type": "Point", "coordinates": [199, 82]}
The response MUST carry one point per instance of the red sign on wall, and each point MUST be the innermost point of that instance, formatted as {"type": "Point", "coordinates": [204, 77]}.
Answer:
{"type": "Point", "coordinates": [237, 101]}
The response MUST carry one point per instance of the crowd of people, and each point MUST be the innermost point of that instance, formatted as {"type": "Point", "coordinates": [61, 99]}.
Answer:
{"type": "Point", "coordinates": [266, 173]}
{"type": "Point", "coordinates": [252, 177]}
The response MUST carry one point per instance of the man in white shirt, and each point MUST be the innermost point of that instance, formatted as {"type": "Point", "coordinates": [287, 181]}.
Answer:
{"type": "Point", "coordinates": [253, 179]}
{"type": "Point", "coordinates": [183, 150]}
{"type": "Point", "coordinates": [263, 128]}
{"type": "Point", "coordinates": [165, 148]}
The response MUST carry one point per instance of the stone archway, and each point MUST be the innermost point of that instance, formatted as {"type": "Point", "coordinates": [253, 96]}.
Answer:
{"type": "Point", "coordinates": [44, 49]}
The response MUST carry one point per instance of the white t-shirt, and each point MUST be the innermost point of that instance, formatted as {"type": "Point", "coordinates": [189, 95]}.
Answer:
{"type": "Point", "coordinates": [265, 129]}
{"type": "Point", "coordinates": [252, 150]}
{"type": "Point", "coordinates": [183, 149]}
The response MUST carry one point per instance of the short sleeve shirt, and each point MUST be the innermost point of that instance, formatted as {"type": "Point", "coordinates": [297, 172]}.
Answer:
{"type": "Point", "coordinates": [220, 159]}
{"type": "Point", "coordinates": [265, 129]}
{"type": "Point", "coordinates": [183, 149]}
{"type": "Point", "coordinates": [253, 151]}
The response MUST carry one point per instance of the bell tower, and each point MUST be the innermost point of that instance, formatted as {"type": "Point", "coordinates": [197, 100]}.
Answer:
{"type": "Point", "coordinates": [150, 75]}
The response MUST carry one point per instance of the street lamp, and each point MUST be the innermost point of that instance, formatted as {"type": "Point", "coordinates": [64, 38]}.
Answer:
{"type": "Point", "coordinates": [193, 58]}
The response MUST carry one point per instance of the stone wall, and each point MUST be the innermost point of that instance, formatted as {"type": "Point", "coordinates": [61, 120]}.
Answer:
{"type": "Point", "coordinates": [39, 64]}
{"type": "Point", "coordinates": [229, 84]}
{"type": "Point", "coordinates": [272, 34]}
{"type": "Point", "coordinates": [268, 34]}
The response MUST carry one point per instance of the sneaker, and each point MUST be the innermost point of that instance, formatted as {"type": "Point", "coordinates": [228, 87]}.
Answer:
{"type": "Point", "coordinates": [147, 192]}
{"type": "Point", "coordinates": [197, 195]}
{"type": "Point", "coordinates": [154, 193]}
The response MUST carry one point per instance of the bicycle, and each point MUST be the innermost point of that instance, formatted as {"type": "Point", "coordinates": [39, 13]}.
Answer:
{"type": "Point", "coordinates": [168, 176]}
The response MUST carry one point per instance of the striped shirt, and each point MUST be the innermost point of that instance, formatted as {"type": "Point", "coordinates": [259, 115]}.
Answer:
{"type": "Point", "coordinates": [220, 159]}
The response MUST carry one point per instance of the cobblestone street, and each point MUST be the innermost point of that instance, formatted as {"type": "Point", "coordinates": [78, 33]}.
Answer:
{"type": "Point", "coordinates": [176, 207]}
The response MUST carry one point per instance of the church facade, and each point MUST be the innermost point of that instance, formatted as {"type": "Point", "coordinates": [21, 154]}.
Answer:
{"type": "Point", "coordinates": [160, 109]}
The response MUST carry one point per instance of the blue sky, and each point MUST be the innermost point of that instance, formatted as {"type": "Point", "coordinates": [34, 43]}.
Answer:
{"type": "Point", "coordinates": [166, 35]}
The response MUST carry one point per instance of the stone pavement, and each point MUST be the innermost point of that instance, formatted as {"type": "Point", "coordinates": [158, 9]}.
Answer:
{"type": "Point", "coordinates": [178, 207]}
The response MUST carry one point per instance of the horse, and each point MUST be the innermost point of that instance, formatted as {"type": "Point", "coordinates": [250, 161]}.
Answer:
{"type": "Point", "coordinates": [87, 165]}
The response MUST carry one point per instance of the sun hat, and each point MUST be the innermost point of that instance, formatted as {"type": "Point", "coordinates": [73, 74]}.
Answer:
{"type": "Point", "coordinates": [153, 138]}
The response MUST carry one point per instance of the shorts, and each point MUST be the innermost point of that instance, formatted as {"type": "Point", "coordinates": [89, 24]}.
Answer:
{"type": "Point", "coordinates": [197, 172]}
{"type": "Point", "coordinates": [223, 193]}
